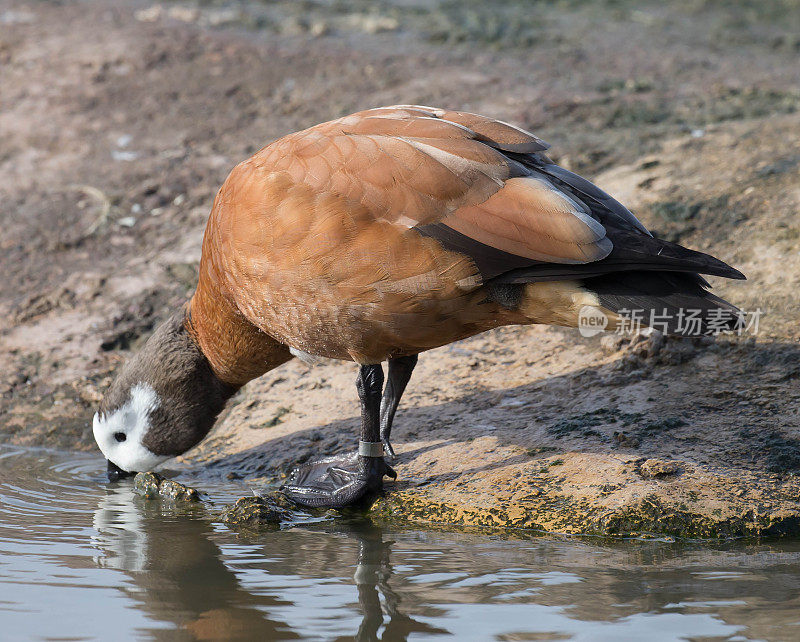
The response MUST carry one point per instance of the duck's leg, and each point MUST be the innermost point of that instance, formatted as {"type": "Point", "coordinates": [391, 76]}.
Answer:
{"type": "Point", "coordinates": [339, 481]}
{"type": "Point", "coordinates": [400, 370]}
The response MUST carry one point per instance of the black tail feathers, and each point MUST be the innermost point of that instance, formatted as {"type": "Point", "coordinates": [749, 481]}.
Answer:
{"type": "Point", "coordinates": [672, 302]}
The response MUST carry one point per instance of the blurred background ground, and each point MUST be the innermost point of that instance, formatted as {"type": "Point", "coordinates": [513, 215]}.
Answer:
{"type": "Point", "coordinates": [120, 120]}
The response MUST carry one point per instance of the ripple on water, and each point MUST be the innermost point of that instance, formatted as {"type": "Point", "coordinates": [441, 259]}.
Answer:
{"type": "Point", "coordinates": [80, 558]}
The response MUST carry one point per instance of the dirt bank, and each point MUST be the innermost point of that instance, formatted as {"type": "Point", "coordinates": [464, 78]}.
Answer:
{"type": "Point", "coordinates": [120, 121]}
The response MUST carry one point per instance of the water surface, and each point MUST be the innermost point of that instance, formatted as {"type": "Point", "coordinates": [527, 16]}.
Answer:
{"type": "Point", "coordinates": [83, 560]}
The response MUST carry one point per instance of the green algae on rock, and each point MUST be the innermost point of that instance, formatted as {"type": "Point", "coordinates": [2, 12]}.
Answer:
{"type": "Point", "coordinates": [255, 511]}
{"type": "Point", "coordinates": [152, 485]}
{"type": "Point", "coordinates": [620, 496]}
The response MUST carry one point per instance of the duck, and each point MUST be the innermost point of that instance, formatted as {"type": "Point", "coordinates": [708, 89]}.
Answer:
{"type": "Point", "coordinates": [373, 238]}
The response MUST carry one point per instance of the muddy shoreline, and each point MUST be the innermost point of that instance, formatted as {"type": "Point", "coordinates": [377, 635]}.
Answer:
{"type": "Point", "coordinates": [121, 120]}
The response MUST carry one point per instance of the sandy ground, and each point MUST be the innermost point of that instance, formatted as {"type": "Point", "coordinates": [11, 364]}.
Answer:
{"type": "Point", "coordinates": [119, 121]}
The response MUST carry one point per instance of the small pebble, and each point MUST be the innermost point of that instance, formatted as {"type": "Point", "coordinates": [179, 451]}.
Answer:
{"type": "Point", "coordinates": [653, 468]}
{"type": "Point", "coordinates": [255, 510]}
{"type": "Point", "coordinates": [153, 485]}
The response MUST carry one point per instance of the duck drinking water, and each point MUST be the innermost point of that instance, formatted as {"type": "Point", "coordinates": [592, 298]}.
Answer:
{"type": "Point", "coordinates": [373, 238]}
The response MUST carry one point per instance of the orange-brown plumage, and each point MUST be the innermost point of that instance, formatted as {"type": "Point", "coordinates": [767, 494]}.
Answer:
{"type": "Point", "coordinates": [373, 238]}
{"type": "Point", "coordinates": [314, 242]}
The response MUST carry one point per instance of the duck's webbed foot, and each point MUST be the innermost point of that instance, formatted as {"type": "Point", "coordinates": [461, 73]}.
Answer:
{"type": "Point", "coordinates": [350, 479]}
{"type": "Point", "coordinates": [345, 480]}
{"type": "Point", "coordinates": [338, 481]}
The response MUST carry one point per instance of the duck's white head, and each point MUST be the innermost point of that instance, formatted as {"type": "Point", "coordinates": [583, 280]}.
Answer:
{"type": "Point", "coordinates": [120, 434]}
{"type": "Point", "coordinates": [163, 401]}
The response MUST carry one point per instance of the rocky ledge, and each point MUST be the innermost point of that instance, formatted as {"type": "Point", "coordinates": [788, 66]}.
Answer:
{"type": "Point", "coordinates": [648, 439]}
{"type": "Point", "coordinates": [597, 494]}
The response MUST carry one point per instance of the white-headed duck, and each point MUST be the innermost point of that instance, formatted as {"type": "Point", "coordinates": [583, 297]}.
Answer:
{"type": "Point", "coordinates": [372, 238]}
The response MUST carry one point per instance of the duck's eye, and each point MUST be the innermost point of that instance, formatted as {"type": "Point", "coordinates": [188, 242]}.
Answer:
{"type": "Point", "coordinates": [120, 436]}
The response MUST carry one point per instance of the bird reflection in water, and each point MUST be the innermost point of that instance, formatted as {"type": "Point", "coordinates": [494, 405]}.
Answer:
{"type": "Point", "coordinates": [177, 575]}
{"type": "Point", "coordinates": [372, 579]}
{"type": "Point", "coordinates": [177, 571]}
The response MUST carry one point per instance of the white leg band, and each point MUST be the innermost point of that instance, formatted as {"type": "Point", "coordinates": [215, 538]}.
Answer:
{"type": "Point", "coordinates": [370, 448]}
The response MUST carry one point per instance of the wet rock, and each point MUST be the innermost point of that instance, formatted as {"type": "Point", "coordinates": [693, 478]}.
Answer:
{"type": "Point", "coordinates": [153, 485]}
{"type": "Point", "coordinates": [255, 511]}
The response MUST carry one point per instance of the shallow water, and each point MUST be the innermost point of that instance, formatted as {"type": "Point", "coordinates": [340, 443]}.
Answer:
{"type": "Point", "coordinates": [82, 560]}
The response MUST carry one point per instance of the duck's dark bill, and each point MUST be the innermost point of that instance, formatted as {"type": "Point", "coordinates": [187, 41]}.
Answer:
{"type": "Point", "coordinates": [115, 473]}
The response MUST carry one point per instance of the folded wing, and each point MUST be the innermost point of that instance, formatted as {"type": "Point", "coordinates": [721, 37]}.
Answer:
{"type": "Point", "coordinates": [481, 187]}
